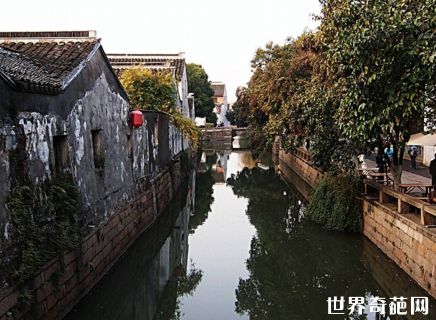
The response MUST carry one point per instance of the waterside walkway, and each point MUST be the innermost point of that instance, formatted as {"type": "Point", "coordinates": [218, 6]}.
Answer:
{"type": "Point", "coordinates": [408, 176]}
{"type": "Point", "coordinates": [415, 200]}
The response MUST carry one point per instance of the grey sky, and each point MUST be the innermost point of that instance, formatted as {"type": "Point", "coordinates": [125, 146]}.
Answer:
{"type": "Point", "coordinates": [220, 35]}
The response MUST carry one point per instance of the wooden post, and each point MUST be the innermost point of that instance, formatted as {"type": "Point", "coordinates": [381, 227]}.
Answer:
{"type": "Point", "coordinates": [403, 207]}
{"type": "Point", "coordinates": [383, 197]}
{"type": "Point", "coordinates": [426, 218]}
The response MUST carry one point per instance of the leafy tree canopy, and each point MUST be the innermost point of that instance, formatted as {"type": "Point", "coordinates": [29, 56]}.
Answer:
{"type": "Point", "coordinates": [366, 78]}
{"type": "Point", "coordinates": [199, 84]}
{"type": "Point", "coordinates": [149, 89]}
{"type": "Point", "coordinates": [380, 57]}
{"type": "Point", "coordinates": [239, 115]}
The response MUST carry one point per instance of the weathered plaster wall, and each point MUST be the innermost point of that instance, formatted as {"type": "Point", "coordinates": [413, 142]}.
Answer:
{"type": "Point", "coordinates": [7, 142]}
{"type": "Point", "coordinates": [29, 121]}
{"type": "Point", "coordinates": [184, 93]}
{"type": "Point", "coordinates": [121, 194]}
{"type": "Point", "coordinates": [176, 143]}
{"type": "Point", "coordinates": [184, 143]}
{"type": "Point", "coordinates": [99, 109]}
{"type": "Point", "coordinates": [131, 156]}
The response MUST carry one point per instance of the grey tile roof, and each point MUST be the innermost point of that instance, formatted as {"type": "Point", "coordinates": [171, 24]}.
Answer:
{"type": "Point", "coordinates": [152, 61]}
{"type": "Point", "coordinates": [46, 67]}
{"type": "Point", "coordinates": [218, 89]}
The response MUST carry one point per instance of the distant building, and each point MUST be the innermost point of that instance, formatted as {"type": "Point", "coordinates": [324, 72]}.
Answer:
{"type": "Point", "coordinates": [221, 103]}
{"type": "Point", "coordinates": [219, 93]}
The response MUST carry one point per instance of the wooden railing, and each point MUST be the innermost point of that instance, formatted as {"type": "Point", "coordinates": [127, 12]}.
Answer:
{"type": "Point", "coordinates": [404, 203]}
{"type": "Point", "coordinates": [303, 154]}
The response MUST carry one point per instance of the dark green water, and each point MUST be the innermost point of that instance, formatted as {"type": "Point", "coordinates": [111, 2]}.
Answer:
{"type": "Point", "coordinates": [243, 251]}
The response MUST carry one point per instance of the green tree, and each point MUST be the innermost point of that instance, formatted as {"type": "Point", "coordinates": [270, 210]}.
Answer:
{"type": "Point", "coordinates": [199, 84]}
{"type": "Point", "coordinates": [380, 57]}
{"type": "Point", "coordinates": [265, 94]}
{"type": "Point", "coordinates": [365, 79]}
{"type": "Point", "coordinates": [288, 96]}
{"type": "Point", "coordinates": [156, 90]}
{"type": "Point", "coordinates": [149, 89]}
{"type": "Point", "coordinates": [239, 114]}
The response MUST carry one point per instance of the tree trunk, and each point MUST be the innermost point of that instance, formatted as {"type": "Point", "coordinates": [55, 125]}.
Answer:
{"type": "Point", "coordinates": [397, 167]}
{"type": "Point", "coordinates": [396, 171]}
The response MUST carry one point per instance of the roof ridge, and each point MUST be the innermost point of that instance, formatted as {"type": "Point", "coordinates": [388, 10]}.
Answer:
{"type": "Point", "coordinates": [41, 36]}
{"type": "Point", "coordinates": [178, 55]}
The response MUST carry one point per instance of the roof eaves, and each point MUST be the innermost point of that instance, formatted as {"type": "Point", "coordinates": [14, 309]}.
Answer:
{"type": "Point", "coordinates": [73, 74]}
{"type": "Point", "coordinates": [8, 80]}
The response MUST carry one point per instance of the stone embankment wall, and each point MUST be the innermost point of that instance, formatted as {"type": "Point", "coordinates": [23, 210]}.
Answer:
{"type": "Point", "coordinates": [410, 245]}
{"type": "Point", "coordinates": [300, 163]}
{"type": "Point", "coordinates": [64, 280]}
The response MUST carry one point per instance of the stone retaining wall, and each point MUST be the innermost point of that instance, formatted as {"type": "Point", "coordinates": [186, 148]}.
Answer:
{"type": "Point", "coordinates": [63, 281]}
{"type": "Point", "coordinates": [409, 245]}
{"type": "Point", "coordinates": [304, 168]}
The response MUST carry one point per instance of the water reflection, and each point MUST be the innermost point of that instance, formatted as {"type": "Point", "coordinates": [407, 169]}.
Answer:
{"type": "Point", "coordinates": [251, 255]}
{"type": "Point", "coordinates": [146, 282]}
{"type": "Point", "coordinates": [294, 265]}
{"type": "Point", "coordinates": [213, 169]}
{"type": "Point", "coordinates": [240, 142]}
{"type": "Point", "coordinates": [220, 247]}
{"type": "Point", "coordinates": [204, 181]}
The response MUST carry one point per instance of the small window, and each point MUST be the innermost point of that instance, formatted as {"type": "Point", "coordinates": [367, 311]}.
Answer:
{"type": "Point", "coordinates": [99, 158]}
{"type": "Point", "coordinates": [129, 146]}
{"type": "Point", "coordinates": [156, 132]}
{"type": "Point", "coordinates": [61, 154]}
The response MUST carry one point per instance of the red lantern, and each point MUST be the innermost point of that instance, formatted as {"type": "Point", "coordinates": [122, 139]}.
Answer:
{"type": "Point", "coordinates": [137, 118]}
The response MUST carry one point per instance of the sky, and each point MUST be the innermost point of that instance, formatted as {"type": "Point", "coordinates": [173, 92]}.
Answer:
{"type": "Point", "coordinates": [222, 35]}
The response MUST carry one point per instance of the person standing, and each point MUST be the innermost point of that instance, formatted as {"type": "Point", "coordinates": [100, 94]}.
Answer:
{"type": "Point", "coordinates": [433, 171]}
{"type": "Point", "coordinates": [413, 153]}
{"type": "Point", "coordinates": [380, 161]}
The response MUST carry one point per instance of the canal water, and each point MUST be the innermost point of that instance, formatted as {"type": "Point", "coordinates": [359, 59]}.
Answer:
{"type": "Point", "coordinates": [235, 245]}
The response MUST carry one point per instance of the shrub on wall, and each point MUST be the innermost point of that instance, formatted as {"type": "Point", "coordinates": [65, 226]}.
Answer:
{"type": "Point", "coordinates": [335, 205]}
{"type": "Point", "coordinates": [45, 222]}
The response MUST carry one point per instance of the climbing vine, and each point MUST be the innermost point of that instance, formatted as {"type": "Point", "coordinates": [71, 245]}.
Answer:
{"type": "Point", "coordinates": [21, 203]}
{"type": "Point", "coordinates": [44, 224]}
